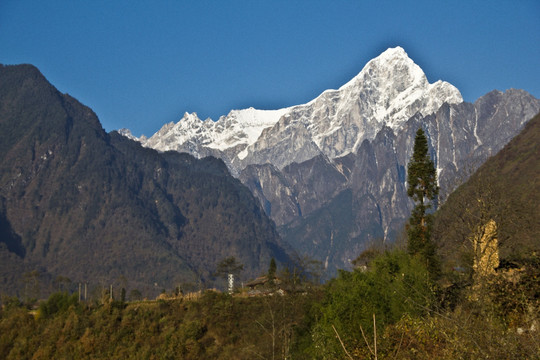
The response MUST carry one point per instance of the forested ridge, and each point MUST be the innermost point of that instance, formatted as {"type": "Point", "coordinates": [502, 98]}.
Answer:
{"type": "Point", "coordinates": [98, 208]}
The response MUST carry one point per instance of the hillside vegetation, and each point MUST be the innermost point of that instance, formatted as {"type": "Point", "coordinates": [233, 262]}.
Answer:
{"type": "Point", "coordinates": [390, 309]}
{"type": "Point", "coordinates": [216, 326]}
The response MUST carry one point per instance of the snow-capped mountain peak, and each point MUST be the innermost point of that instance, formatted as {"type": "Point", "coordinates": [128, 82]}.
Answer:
{"type": "Point", "coordinates": [394, 84]}
{"type": "Point", "coordinates": [389, 90]}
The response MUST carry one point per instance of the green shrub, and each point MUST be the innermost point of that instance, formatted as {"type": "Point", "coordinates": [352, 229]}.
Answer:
{"type": "Point", "coordinates": [396, 284]}
{"type": "Point", "coordinates": [57, 302]}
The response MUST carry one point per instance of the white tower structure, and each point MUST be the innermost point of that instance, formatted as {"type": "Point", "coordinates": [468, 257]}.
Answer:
{"type": "Point", "coordinates": [231, 283]}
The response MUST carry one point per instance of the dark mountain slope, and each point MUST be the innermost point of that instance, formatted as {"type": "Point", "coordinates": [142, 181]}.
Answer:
{"type": "Point", "coordinates": [97, 207]}
{"type": "Point", "coordinates": [506, 188]}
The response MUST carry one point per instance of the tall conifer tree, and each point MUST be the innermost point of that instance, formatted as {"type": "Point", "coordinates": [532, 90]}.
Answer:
{"type": "Point", "coordinates": [272, 269]}
{"type": "Point", "coordinates": [423, 189]}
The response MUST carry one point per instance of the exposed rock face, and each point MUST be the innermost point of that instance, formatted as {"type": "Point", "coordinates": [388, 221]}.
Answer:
{"type": "Point", "coordinates": [485, 256]}
{"type": "Point", "coordinates": [460, 138]}
{"type": "Point", "coordinates": [273, 190]}
{"type": "Point", "coordinates": [297, 190]}
{"type": "Point", "coordinates": [331, 173]}
{"type": "Point", "coordinates": [463, 136]}
{"type": "Point", "coordinates": [486, 250]}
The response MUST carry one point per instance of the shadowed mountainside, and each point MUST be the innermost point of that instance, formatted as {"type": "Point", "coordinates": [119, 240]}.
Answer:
{"type": "Point", "coordinates": [96, 207]}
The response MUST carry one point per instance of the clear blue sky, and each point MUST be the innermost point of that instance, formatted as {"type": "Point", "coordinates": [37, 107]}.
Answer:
{"type": "Point", "coordinates": [141, 64]}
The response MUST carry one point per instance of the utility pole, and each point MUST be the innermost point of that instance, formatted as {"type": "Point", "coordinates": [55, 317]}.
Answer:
{"type": "Point", "coordinates": [79, 292]}
{"type": "Point", "coordinates": [111, 297]}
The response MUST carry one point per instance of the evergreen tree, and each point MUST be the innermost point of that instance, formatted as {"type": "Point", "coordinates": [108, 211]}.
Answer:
{"type": "Point", "coordinates": [423, 189]}
{"type": "Point", "coordinates": [228, 266]}
{"type": "Point", "coordinates": [272, 269]}
{"type": "Point", "coordinates": [271, 275]}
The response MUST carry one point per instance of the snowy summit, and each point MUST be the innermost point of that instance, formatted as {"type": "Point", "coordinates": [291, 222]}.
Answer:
{"type": "Point", "coordinates": [388, 91]}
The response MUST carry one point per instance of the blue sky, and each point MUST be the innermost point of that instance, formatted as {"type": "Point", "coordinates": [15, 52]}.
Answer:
{"type": "Point", "coordinates": [141, 64]}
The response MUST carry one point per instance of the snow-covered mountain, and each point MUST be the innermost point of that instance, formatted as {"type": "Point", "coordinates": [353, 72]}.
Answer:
{"type": "Point", "coordinates": [239, 127]}
{"type": "Point", "coordinates": [388, 91]}
{"type": "Point", "coordinates": [331, 173]}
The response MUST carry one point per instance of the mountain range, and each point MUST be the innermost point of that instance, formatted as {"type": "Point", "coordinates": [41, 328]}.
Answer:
{"type": "Point", "coordinates": [331, 173]}
{"type": "Point", "coordinates": [323, 179]}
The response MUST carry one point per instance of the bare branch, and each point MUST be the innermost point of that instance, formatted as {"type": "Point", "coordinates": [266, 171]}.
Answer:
{"type": "Point", "coordinates": [375, 336]}
{"type": "Point", "coordinates": [343, 345]}
{"type": "Point", "coordinates": [400, 342]}
{"type": "Point", "coordinates": [364, 336]}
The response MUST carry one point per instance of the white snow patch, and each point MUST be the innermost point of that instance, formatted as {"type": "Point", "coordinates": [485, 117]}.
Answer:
{"type": "Point", "coordinates": [479, 142]}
